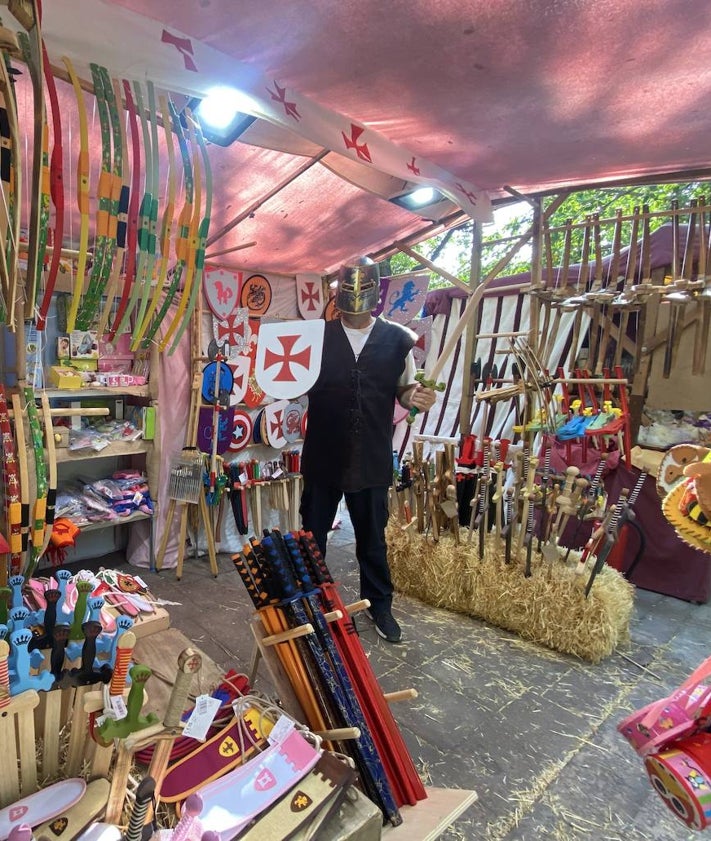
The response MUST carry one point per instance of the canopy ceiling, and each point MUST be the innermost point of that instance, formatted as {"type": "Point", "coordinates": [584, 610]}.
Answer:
{"type": "Point", "coordinates": [535, 94]}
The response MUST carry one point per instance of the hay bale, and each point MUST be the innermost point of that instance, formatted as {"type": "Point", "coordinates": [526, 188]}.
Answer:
{"type": "Point", "coordinates": [548, 608]}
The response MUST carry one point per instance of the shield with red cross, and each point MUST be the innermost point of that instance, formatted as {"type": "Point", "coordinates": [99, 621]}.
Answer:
{"type": "Point", "coordinates": [240, 366]}
{"type": "Point", "coordinates": [309, 295]}
{"type": "Point", "coordinates": [233, 332]}
{"type": "Point", "coordinates": [274, 422]}
{"type": "Point", "coordinates": [289, 357]}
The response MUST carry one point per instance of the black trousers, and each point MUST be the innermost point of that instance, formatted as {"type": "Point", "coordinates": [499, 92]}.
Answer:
{"type": "Point", "coordinates": [368, 511]}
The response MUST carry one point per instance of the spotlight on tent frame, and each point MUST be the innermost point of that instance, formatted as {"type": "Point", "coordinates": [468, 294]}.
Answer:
{"type": "Point", "coordinates": [219, 115]}
{"type": "Point", "coordinates": [417, 199]}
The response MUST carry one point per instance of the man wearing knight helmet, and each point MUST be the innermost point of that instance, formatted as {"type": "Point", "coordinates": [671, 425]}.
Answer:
{"type": "Point", "coordinates": [366, 364]}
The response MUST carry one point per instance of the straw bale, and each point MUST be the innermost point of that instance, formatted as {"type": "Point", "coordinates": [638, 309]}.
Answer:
{"type": "Point", "coordinates": [548, 608]}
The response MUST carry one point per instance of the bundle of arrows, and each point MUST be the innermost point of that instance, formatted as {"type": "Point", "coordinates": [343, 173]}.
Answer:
{"type": "Point", "coordinates": [320, 652]}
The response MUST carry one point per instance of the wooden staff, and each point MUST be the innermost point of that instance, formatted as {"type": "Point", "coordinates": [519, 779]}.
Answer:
{"type": "Point", "coordinates": [574, 304]}
{"type": "Point", "coordinates": [676, 297]}
{"type": "Point", "coordinates": [623, 303]}
{"type": "Point", "coordinates": [550, 337]}
{"type": "Point", "coordinates": [430, 378]}
{"type": "Point", "coordinates": [642, 291]}
{"type": "Point", "coordinates": [703, 299]}
{"type": "Point", "coordinates": [605, 297]}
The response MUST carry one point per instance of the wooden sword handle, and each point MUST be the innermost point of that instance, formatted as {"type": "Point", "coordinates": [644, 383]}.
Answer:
{"type": "Point", "coordinates": [189, 664]}
{"type": "Point", "coordinates": [124, 650]}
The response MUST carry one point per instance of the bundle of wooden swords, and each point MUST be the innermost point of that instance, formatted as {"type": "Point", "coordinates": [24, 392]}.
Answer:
{"type": "Point", "coordinates": [300, 606]}
{"type": "Point", "coordinates": [517, 505]}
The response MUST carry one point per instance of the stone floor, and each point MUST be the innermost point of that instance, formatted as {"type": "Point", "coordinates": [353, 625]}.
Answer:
{"type": "Point", "coordinates": [532, 731]}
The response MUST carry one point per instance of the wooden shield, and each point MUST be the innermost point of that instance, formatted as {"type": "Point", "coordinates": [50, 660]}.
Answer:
{"type": "Point", "coordinates": [256, 294]}
{"type": "Point", "coordinates": [274, 422]}
{"type": "Point", "coordinates": [384, 282]}
{"type": "Point", "coordinates": [239, 366]}
{"type": "Point", "coordinates": [309, 295]}
{"type": "Point", "coordinates": [221, 288]}
{"type": "Point", "coordinates": [291, 426]}
{"type": "Point", "coordinates": [254, 394]}
{"type": "Point", "coordinates": [423, 328]}
{"type": "Point", "coordinates": [225, 427]}
{"type": "Point", "coordinates": [233, 331]}
{"type": "Point", "coordinates": [209, 374]}
{"type": "Point", "coordinates": [405, 296]}
{"type": "Point", "coordinates": [241, 431]}
{"type": "Point", "coordinates": [289, 357]}
{"type": "Point", "coordinates": [331, 312]}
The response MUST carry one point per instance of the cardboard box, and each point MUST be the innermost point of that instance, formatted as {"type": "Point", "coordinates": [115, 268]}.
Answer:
{"type": "Point", "coordinates": [65, 378]}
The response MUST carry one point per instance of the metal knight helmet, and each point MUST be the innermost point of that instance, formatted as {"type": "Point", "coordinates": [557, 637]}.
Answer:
{"type": "Point", "coordinates": [358, 286]}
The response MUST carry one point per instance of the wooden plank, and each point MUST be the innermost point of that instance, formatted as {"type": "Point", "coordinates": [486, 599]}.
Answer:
{"type": "Point", "coordinates": [146, 624]}
{"type": "Point", "coordinates": [160, 653]}
{"type": "Point", "coordinates": [52, 724]}
{"type": "Point", "coordinates": [9, 782]}
{"type": "Point", "coordinates": [682, 390]}
{"type": "Point", "coordinates": [429, 819]}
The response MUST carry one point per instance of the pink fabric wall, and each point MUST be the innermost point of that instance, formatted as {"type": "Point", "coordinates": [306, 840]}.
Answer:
{"type": "Point", "coordinates": [173, 404]}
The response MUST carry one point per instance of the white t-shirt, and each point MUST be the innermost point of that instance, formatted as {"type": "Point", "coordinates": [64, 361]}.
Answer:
{"type": "Point", "coordinates": [359, 336]}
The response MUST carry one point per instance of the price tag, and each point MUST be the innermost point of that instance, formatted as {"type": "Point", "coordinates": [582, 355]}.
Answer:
{"type": "Point", "coordinates": [280, 731]}
{"type": "Point", "coordinates": [202, 717]}
{"type": "Point", "coordinates": [118, 707]}
{"type": "Point", "coordinates": [243, 478]}
{"type": "Point", "coordinates": [278, 473]}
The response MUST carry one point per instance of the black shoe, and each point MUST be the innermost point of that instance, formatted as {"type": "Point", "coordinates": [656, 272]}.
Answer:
{"type": "Point", "coordinates": [385, 625]}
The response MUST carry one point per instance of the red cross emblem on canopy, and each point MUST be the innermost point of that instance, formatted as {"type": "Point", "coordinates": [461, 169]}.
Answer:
{"type": "Point", "coordinates": [289, 357]}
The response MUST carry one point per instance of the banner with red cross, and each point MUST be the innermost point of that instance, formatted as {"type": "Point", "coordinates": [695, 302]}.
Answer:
{"type": "Point", "coordinates": [289, 357]}
{"type": "Point", "coordinates": [309, 295]}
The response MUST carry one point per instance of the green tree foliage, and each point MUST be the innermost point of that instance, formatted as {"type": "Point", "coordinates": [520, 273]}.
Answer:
{"type": "Point", "coordinates": [452, 249]}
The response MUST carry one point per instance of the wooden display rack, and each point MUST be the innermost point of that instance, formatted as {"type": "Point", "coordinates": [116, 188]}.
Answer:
{"type": "Point", "coordinates": [424, 822]}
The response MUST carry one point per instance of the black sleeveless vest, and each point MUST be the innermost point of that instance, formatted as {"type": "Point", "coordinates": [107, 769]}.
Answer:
{"type": "Point", "coordinates": [348, 442]}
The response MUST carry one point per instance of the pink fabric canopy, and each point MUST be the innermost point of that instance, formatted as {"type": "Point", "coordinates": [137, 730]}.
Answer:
{"type": "Point", "coordinates": [537, 95]}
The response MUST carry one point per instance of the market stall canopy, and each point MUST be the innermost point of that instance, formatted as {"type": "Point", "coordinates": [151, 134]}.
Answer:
{"type": "Point", "coordinates": [536, 95]}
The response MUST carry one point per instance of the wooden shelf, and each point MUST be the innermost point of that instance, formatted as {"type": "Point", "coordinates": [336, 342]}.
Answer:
{"type": "Point", "coordinates": [93, 393]}
{"type": "Point", "coordinates": [118, 448]}
{"type": "Point", "coordinates": [123, 521]}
